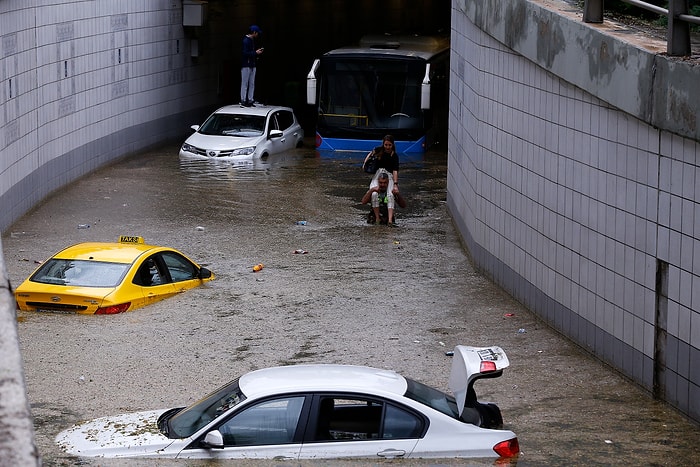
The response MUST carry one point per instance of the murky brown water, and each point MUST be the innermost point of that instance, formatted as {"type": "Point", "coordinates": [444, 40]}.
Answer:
{"type": "Point", "coordinates": [395, 298]}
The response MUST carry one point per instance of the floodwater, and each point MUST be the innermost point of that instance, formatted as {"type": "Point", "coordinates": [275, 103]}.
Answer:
{"type": "Point", "coordinates": [395, 298]}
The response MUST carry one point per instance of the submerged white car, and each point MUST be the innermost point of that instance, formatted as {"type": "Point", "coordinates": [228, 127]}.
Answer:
{"type": "Point", "coordinates": [316, 411]}
{"type": "Point", "coordinates": [237, 132]}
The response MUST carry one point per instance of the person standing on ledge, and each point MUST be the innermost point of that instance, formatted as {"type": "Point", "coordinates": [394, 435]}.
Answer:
{"type": "Point", "coordinates": [248, 61]}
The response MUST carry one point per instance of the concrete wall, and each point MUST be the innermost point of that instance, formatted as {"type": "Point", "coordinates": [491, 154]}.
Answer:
{"type": "Point", "coordinates": [83, 83]}
{"type": "Point", "coordinates": [576, 186]}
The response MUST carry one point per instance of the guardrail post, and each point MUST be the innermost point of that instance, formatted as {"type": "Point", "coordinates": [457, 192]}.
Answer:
{"type": "Point", "coordinates": [678, 40]}
{"type": "Point", "coordinates": [593, 11]}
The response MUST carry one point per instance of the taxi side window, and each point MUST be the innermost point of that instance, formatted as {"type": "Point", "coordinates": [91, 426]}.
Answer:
{"type": "Point", "coordinates": [179, 267]}
{"type": "Point", "coordinates": [149, 274]}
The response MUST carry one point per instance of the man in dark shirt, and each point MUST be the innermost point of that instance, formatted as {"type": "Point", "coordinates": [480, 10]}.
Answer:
{"type": "Point", "coordinates": [249, 57]}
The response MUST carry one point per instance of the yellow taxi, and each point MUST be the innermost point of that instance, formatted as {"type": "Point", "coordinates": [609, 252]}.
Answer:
{"type": "Point", "coordinates": [109, 278]}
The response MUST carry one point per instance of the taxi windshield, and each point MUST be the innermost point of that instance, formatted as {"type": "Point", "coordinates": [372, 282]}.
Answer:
{"type": "Point", "coordinates": [191, 419]}
{"type": "Point", "coordinates": [80, 273]}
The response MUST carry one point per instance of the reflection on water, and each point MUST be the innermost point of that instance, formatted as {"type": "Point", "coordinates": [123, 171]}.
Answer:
{"type": "Point", "coordinates": [360, 155]}
{"type": "Point", "coordinates": [204, 168]}
{"type": "Point", "coordinates": [300, 184]}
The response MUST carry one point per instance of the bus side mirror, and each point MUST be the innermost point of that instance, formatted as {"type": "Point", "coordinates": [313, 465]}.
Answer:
{"type": "Point", "coordinates": [425, 89]}
{"type": "Point", "coordinates": [311, 83]}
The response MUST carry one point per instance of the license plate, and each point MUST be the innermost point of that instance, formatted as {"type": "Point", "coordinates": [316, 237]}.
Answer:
{"type": "Point", "coordinates": [60, 312]}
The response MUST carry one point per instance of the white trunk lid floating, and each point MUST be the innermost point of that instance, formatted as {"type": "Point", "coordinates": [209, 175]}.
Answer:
{"type": "Point", "coordinates": [472, 363]}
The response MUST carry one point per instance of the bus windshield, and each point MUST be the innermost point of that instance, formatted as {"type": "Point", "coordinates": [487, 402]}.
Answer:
{"type": "Point", "coordinates": [396, 85]}
{"type": "Point", "coordinates": [357, 93]}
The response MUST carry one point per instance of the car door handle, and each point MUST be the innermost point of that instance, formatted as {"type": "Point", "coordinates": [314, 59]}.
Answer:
{"type": "Point", "coordinates": [389, 453]}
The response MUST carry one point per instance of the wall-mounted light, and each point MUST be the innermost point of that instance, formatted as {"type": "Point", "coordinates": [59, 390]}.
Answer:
{"type": "Point", "coordinates": [194, 12]}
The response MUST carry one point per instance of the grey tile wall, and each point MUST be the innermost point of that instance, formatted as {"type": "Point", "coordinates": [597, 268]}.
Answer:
{"type": "Point", "coordinates": [569, 203]}
{"type": "Point", "coordinates": [83, 83]}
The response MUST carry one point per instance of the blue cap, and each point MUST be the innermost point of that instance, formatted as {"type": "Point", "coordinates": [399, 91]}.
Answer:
{"type": "Point", "coordinates": [255, 28]}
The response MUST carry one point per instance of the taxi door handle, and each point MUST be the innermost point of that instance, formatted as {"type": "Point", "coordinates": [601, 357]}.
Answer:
{"type": "Point", "coordinates": [389, 453]}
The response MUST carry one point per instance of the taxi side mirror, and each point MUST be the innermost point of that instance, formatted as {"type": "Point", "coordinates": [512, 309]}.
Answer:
{"type": "Point", "coordinates": [204, 273]}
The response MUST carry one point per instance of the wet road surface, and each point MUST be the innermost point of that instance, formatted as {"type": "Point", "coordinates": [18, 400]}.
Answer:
{"type": "Point", "coordinates": [394, 298]}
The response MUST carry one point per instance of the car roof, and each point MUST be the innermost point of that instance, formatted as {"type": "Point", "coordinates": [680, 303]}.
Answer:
{"type": "Point", "coordinates": [259, 109]}
{"type": "Point", "coordinates": [321, 377]}
{"type": "Point", "coordinates": [110, 252]}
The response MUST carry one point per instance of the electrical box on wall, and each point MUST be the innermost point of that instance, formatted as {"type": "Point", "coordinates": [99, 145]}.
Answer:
{"type": "Point", "coordinates": [194, 12]}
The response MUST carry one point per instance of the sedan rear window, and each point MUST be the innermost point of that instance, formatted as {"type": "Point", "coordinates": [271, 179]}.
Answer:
{"type": "Point", "coordinates": [80, 273]}
{"type": "Point", "coordinates": [431, 397]}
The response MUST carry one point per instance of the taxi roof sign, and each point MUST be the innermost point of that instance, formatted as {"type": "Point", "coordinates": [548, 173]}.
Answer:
{"type": "Point", "coordinates": [130, 239]}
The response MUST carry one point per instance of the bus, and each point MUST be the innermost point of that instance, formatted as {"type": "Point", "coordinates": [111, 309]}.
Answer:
{"type": "Point", "coordinates": [386, 84]}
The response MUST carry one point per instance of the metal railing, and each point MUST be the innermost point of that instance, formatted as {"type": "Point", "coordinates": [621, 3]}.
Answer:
{"type": "Point", "coordinates": [678, 33]}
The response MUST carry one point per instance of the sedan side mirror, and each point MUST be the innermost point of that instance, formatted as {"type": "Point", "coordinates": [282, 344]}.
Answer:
{"type": "Point", "coordinates": [195, 127]}
{"type": "Point", "coordinates": [276, 133]}
{"type": "Point", "coordinates": [213, 439]}
{"type": "Point", "coordinates": [204, 273]}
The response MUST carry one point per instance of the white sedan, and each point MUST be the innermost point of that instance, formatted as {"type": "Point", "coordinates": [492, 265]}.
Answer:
{"type": "Point", "coordinates": [235, 132]}
{"type": "Point", "coordinates": [316, 411]}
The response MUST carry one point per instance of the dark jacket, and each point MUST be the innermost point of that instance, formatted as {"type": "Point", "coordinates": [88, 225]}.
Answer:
{"type": "Point", "coordinates": [249, 55]}
{"type": "Point", "coordinates": [390, 162]}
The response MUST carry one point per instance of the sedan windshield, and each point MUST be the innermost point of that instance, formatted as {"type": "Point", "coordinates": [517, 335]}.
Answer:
{"type": "Point", "coordinates": [193, 418]}
{"type": "Point", "coordinates": [233, 125]}
{"type": "Point", "coordinates": [431, 397]}
{"type": "Point", "coordinates": [80, 273]}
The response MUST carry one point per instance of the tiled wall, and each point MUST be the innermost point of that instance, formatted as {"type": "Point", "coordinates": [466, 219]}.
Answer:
{"type": "Point", "coordinates": [587, 215]}
{"type": "Point", "coordinates": [567, 202]}
{"type": "Point", "coordinates": [85, 82]}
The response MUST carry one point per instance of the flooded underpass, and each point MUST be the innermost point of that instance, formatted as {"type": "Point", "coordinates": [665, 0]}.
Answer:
{"type": "Point", "coordinates": [395, 298]}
